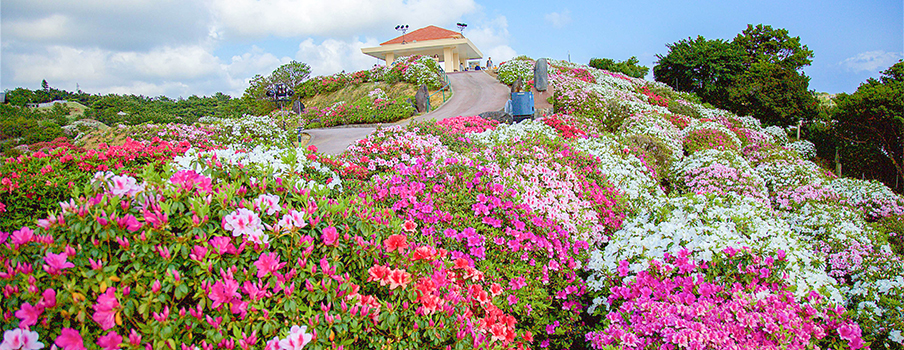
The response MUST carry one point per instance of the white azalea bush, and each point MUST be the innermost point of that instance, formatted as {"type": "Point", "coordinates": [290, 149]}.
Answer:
{"type": "Point", "coordinates": [871, 197]}
{"type": "Point", "coordinates": [511, 70]}
{"type": "Point", "coordinates": [263, 161]}
{"type": "Point", "coordinates": [806, 149]}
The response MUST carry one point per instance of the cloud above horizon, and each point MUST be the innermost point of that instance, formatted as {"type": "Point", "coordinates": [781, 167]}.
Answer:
{"type": "Point", "coordinates": [872, 61]}
{"type": "Point", "coordinates": [199, 47]}
{"type": "Point", "coordinates": [558, 19]}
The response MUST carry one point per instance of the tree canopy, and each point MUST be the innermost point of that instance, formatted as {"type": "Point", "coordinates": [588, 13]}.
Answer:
{"type": "Point", "coordinates": [293, 74]}
{"type": "Point", "coordinates": [874, 115]}
{"type": "Point", "coordinates": [630, 67]}
{"type": "Point", "coordinates": [758, 73]}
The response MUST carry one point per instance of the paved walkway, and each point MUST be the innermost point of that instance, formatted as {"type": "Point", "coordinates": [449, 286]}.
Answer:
{"type": "Point", "coordinates": [474, 92]}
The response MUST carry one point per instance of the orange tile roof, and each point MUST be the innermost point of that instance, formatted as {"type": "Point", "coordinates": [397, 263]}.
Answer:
{"type": "Point", "coordinates": [426, 33]}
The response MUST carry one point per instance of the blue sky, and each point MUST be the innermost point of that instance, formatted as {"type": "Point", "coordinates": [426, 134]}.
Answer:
{"type": "Point", "coordinates": [198, 47]}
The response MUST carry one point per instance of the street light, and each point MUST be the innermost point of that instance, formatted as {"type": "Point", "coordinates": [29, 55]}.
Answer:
{"type": "Point", "coordinates": [402, 28]}
{"type": "Point", "coordinates": [280, 93]}
{"type": "Point", "coordinates": [461, 28]}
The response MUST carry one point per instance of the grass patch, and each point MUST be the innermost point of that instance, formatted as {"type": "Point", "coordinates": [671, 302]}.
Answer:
{"type": "Point", "coordinates": [356, 92]}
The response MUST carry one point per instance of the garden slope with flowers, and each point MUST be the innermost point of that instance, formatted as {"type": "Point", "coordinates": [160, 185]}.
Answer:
{"type": "Point", "coordinates": [635, 218]}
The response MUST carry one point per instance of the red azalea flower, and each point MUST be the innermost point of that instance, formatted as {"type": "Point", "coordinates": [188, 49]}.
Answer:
{"type": "Point", "coordinates": [409, 226]}
{"type": "Point", "coordinates": [395, 242]}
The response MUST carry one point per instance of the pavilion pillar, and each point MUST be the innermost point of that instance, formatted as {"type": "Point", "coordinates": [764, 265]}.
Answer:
{"type": "Point", "coordinates": [390, 57]}
{"type": "Point", "coordinates": [448, 59]}
{"type": "Point", "coordinates": [457, 60]}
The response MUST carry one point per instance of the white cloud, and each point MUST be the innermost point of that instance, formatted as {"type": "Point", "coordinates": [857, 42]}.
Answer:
{"type": "Point", "coordinates": [492, 38]}
{"type": "Point", "coordinates": [170, 71]}
{"type": "Point", "coordinates": [184, 62]}
{"type": "Point", "coordinates": [872, 61]}
{"type": "Point", "coordinates": [50, 27]}
{"type": "Point", "coordinates": [336, 17]}
{"type": "Point", "coordinates": [333, 56]}
{"type": "Point", "coordinates": [557, 19]}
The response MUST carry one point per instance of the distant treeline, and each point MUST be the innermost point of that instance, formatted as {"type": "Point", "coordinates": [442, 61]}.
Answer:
{"type": "Point", "coordinates": [114, 109]}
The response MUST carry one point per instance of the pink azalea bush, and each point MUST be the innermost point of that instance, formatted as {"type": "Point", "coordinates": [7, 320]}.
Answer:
{"type": "Point", "coordinates": [512, 232]}
{"type": "Point", "coordinates": [738, 300]}
{"type": "Point", "coordinates": [32, 184]}
{"type": "Point", "coordinates": [199, 270]}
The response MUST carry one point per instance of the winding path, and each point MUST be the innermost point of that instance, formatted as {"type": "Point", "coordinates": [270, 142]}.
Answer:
{"type": "Point", "coordinates": [474, 92]}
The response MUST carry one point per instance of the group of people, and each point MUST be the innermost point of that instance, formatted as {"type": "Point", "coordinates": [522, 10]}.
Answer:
{"type": "Point", "coordinates": [462, 68]}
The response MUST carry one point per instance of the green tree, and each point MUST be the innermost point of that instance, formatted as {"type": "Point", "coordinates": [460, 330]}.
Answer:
{"type": "Point", "coordinates": [873, 116]}
{"type": "Point", "coordinates": [704, 67]}
{"type": "Point", "coordinates": [629, 67]}
{"type": "Point", "coordinates": [293, 74]}
{"type": "Point", "coordinates": [45, 86]}
{"type": "Point", "coordinates": [758, 73]}
{"type": "Point", "coordinates": [770, 84]}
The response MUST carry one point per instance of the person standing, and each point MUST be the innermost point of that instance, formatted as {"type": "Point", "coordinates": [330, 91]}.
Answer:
{"type": "Point", "coordinates": [489, 63]}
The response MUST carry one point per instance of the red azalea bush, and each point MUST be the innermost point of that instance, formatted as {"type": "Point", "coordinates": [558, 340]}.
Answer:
{"type": "Point", "coordinates": [185, 260]}
{"type": "Point", "coordinates": [738, 300]}
{"type": "Point", "coordinates": [565, 126]}
{"type": "Point", "coordinates": [464, 206]}
{"type": "Point", "coordinates": [32, 184]}
{"type": "Point", "coordinates": [464, 125]}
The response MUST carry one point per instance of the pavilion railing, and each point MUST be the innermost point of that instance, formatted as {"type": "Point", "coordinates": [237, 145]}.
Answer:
{"type": "Point", "coordinates": [447, 84]}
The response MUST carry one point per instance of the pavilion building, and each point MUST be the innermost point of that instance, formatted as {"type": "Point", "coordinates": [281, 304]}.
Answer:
{"type": "Point", "coordinates": [450, 48]}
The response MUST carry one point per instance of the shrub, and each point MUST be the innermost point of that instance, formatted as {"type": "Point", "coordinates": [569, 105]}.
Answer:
{"type": "Point", "coordinates": [511, 70]}
{"type": "Point", "coordinates": [739, 299]}
{"type": "Point", "coordinates": [33, 184]}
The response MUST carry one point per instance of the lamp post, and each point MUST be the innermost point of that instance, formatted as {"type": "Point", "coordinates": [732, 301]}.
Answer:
{"type": "Point", "coordinates": [461, 28]}
{"type": "Point", "coordinates": [280, 93]}
{"type": "Point", "coordinates": [402, 28]}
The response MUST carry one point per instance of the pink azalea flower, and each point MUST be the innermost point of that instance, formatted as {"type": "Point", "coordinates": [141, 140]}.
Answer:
{"type": "Point", "coordinates": [224, 292]}
{"type": "Point", "coordinates": [267, 263]}
{"type": "Point", "coordinates": [399, 278]}
{"type": "Point", "coordinates": [55, 263]}
{"type": "Point", "coordinates": [129, 222]}
{"type": "Point", "coordinates": [29, 314]}
{"type": "Point", "coordinates": [330, 236]}
{"type": "Point", "coordinates": [243, 222]}
{"type": "Point", "coordinates": [105, 309]}
{"type": "Point", "coordinates": [297, 339]}
{"type": "Point", "coordinates": [134, 338]}
{"type": "Point", "coordinates": [268, 202]}
{"type": "Point", "coordinates": [69, 339]}
{"type": "Point", "coordinates": [23, 236]}
{"type": "Point", "coordinates": [49, 298]}
{"type": "Point", "coordinates": [124, 185]}
{"type": "Point", "coordinates": [111, 341]}
{"type": "Point", "coordinates": [20, 339]}
{"type": "Point", "coordinates": [292, 220]}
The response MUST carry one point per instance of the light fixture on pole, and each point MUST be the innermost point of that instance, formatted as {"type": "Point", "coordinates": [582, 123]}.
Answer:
{"type": "Point", "coordinates": [461, 28]}
{"type": "Point", "coordinates": [402, 28]}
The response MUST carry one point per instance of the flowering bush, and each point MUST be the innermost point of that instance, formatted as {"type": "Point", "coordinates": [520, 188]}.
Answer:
{"type": "Point", "coordinates": [737, 300]}
{"type": "Point", "coordinates": [369, 110]}
{"type": "Point", "coordinates": [511, 70]}
{"type": "Point", "coordinates": [871, 197]}
{"type": "Point", "coordinates": [585, 229]}
{"type": "Point", "coordinates": [720, 173]}
{"type": "Point", "coordinates": [32, 184]}
{"type": "Point", "coordinates": [233, 250]}
{"type": "Point", "coordinates": [806, 149]}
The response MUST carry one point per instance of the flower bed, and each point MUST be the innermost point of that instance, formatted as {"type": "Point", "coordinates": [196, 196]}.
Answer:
{"type": "Point", "coordinates": [591, 229]}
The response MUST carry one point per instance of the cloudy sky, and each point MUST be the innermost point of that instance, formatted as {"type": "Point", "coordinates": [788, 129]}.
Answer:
{"type": "Point", "coordinates": [199, 47]}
